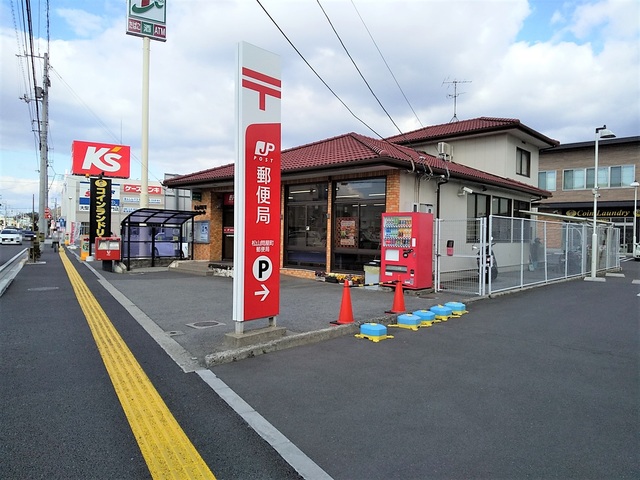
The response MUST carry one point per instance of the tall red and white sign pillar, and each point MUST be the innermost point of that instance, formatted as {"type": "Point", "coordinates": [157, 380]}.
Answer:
{"type": "Point", "coordinates": [256, 257]}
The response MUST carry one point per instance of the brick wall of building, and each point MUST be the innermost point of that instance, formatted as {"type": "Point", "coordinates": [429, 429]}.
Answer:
{"type": "Point", "coordinates": [608, 155]}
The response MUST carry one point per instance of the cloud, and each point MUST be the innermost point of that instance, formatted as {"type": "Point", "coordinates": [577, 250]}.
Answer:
{"type": "Point", "coordinates": [580, 72]}
{"type": "Point", "coordinates": [80, 22]}
{"type": "Point", "coordinates": [612, 19]}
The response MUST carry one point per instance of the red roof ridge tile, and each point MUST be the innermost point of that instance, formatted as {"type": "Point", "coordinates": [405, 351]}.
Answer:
{"type": "Point", "coordinates": [356, 149]}
{"type": "Point", "coordinates": [462, 127]}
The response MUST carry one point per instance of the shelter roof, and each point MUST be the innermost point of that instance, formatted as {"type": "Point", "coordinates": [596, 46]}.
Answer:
{"type": "Point", "coordinates": [158, 216]}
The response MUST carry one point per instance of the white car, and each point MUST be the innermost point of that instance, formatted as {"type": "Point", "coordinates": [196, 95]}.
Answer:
{"type": "Point", "coordinates": [10, 236]}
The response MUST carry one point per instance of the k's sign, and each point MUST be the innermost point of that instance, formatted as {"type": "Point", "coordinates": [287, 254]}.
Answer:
{"type": "Point", "coordinates": [94, 159]}
{"type": "Point", "coordinates": [257, 185]}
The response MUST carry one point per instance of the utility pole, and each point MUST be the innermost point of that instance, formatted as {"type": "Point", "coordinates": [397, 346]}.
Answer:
{"type": "Point", "coordinates": [42, 94]}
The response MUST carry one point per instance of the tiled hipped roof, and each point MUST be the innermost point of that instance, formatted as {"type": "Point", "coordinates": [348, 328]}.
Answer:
{"type": "Point", "coordinates": [354, 150]}
{"type": "Point", "coordinates": [481, 125]}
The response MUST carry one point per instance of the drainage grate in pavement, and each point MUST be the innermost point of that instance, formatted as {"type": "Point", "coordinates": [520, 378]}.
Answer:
{"type": "Point", "coordinates": [42, 289]}
{"type": "Point", "coordinates": [204, 324]}
{"type": "Point", "coordinates": [174, 333]}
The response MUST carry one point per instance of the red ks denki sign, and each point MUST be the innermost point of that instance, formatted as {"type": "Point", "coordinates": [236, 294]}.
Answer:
{"type": "Point", "coordinates": [94, 159]}
{"type": "Point", "coordinates": [257, 186]}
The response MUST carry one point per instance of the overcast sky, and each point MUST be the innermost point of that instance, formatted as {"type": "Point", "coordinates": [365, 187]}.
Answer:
{"type": "Point", "coordinates": [562, 68]}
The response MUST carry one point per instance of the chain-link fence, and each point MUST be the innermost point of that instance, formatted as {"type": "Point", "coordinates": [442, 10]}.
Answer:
{"type": "Point", "coordinates": [520, 252]}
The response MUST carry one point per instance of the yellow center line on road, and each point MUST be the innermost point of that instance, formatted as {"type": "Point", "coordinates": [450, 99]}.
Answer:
{"type": "Point", "coordinates": [164, 445]}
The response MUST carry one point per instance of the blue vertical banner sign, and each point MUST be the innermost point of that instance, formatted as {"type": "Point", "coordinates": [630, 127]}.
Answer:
{"type": "Point", "coordinates": [256, 281]}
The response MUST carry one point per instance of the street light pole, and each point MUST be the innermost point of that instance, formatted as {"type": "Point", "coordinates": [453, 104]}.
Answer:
{"type": "Point", "coordinates": [601, 132]}
{"type": "Point", "coordinates": [635, 186]}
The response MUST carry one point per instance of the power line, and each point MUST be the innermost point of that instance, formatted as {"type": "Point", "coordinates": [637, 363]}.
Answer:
{"type": "Point", "coordinates": [117, 140]}
{"type": "Point", "coordinates": [32, 60]}
{"type": "Point", "coordinates": [385, 62]}
{"type": "Point", "coordinates": [314, 71]}
{"type": "Point", "coordinates": [329, 88]}
{"type": "Point", "coordinates": [356, 67]}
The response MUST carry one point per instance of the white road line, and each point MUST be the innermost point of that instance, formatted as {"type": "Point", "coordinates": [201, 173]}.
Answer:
{"type": "Point", "coordinates": [176, 351]}
{"type": "Point", "coordinates": [287, 450]}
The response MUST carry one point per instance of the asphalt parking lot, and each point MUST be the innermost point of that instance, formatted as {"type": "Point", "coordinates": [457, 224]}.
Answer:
{"type": "Point", "coordinates": [540, 383]}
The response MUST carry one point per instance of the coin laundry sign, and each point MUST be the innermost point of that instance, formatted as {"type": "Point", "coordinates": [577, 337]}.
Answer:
{"type": "Point", "coordinates": [147, 18]}
{"type": "Point", "coordinates": [100, 209]}
{"type": "Point", "coordinates": [257, 185]}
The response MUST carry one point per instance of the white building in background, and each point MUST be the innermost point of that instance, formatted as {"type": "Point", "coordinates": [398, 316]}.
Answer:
{"type": "Point", "coordinates": [125, 198]}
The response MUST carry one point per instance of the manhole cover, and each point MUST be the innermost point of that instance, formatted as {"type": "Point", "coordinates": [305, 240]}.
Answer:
{"type": "Point", "coordinates": [204, 324]}
{"type": "Point", "coordinates": [42, 289]}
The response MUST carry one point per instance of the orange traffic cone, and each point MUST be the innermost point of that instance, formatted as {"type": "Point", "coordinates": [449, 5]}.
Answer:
{"type": "Point", "coordinates": [398, 299]}
{"type": "Point", "coordinates": [346, 311]}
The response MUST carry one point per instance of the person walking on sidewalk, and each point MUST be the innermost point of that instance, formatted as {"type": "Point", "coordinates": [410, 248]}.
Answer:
{"type": "Point", "coordinates": [55, 239]}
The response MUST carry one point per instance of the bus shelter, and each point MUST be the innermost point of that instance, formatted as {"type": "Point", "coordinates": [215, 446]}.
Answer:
{"type": "Point", "coordinates": [151, 234]}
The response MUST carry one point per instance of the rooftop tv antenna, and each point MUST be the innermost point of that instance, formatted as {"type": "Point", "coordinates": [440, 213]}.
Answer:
{"type": "Point", "coordinates": [455, 96]}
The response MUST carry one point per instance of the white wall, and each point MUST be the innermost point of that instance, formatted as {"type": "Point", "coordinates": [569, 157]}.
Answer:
{"type": "Point", "coordinates": [78, 186]}
{"type": "Point", "coordinates": [495, 153]}
{"type": "Point", "coordinates": [414, 190]}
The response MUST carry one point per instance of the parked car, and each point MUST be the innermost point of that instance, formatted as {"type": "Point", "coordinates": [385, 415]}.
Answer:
{"type": "Point", "coordinates": [167, 245]}
{"type": "Point", "coordinates": [10, 236]}
{"type": "Point", "coordinates": [28, 235]}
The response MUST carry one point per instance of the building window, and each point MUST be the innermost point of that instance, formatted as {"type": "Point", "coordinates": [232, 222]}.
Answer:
{"type": "Point", "coordinates": [501, 206]}
{"type": "Point", "coordinates": [617, 176]}
{"type": "Point", "coordinates": [621, 176]}
{"type": "Point", "coordinates": [603, 177]}
{"type": "Point", "coordinates": [523, 162]}
{"type": "Point", "coordinates": [547, 180]}
{"type": "Point", "coordinates": [357, 219]}
{"type": "Point", "coordinates": [574, 179]}
{"type": "Point", "coordinates": [477, 207]}
{"type": "Point", "coordinates": [519, 207]}
{"type": "Point", "coordinates": [501, 227]}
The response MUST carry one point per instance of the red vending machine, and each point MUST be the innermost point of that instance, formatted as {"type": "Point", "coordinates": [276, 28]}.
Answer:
{"type": "Point", "coordinates": [407, 249]}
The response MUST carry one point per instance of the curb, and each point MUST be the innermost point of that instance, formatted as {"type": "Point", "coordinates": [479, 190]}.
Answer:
{"type": "Point", "coordinates": [288, 341]}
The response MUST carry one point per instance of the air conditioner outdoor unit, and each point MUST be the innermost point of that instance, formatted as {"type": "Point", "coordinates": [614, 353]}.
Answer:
{"type": "Point", "coordinates": [445, 150]}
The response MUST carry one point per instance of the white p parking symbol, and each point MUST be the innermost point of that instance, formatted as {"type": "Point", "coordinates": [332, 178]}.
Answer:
{"type": "Point", "coordinates": [262, 268]}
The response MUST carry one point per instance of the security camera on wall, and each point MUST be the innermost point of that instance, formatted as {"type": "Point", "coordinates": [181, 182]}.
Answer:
{"type": "Point", "coordinates": [467, 190]}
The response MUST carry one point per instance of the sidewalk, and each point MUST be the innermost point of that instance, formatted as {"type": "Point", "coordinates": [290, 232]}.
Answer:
{"type": "Point", "coordinates": [196, 311]}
